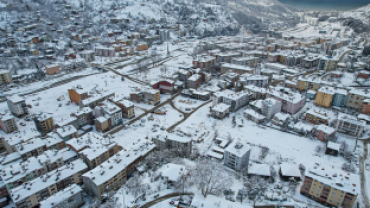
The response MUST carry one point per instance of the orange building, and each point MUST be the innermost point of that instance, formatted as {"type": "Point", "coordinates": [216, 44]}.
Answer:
{"type": "Point", "coordinates": [52, 69]}
{"type": "Point", "coordinates": [77, 94]}
{"type": "Point", "coordinates": [142, 47]}
{"type": "Point", "coordinates": [365, 106]}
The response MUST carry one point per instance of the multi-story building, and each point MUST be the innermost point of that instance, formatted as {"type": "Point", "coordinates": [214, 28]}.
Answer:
{"type": "Point", "coordinates": [32, 148]}
{"type": "Point", "coordinates": [245, 61]}
{"type": "Point", "coordinates": [11, 140]}
{"type": "Point", "coordinates": [204, 61]}
{"type": "Point", "coordinates": [94, 100]}
{"type": "Point", "coordinates": [127, 107]}
{"type": "Point", "coordinates": [5, 77]}
{"type": "Point", "coordinates": [93, 149]}
{"type": "Point", "coordinates": [325, 96]}
{"type": "Point", "coordinates": [270, 107]}
{"type": "Point", "coordinates": [31, 193]}
{"type": "Point", "coordinates": [8, 123]}
{"type": "Point", "coordinates": [308, 83]}
{"type": "Point", "coordinates": [365, 107]}
{"type": "Point", "coordinates": [323, 132]}
{"type": "Point", "coordinates": [327, 63]}
{"type": "Point", "coordinates": [67, 132]}
{"type": "Point", "coordinates": [235, 68]}
{"type": "Point", "coordinates": [173, 142]}
{"type": "Point", "coordinates": [72, 195]}
{"type": "Point", "coordinates": [111, 174]}
{"type": "Point", "coordinates": [44, 123]}
{"type": "Point", "coordinates": [237, 155]}
{"type": "Point", "coordinates": [355, 98]}
{"type": "Point", "coordinates": [320, 116]}
{"type": "Point", "coordinates": [310, 62]}
{"type": "Point", "coordinates": [52, 69]}
{"type": "Point", "coordinates": [17, 105]}
{"type": "Point", "coordinates": [84, 116]}
{"type": "Point", "coordinates": [349, 124]}
{"type": "Point", "coordinates": [331, 186]}
{"type": "Point", "coordinates": [111, 111]}
{"type": "Point", "coordinates": [77, 94]}
{"type": "Point", "coordinates": [54, 142]}
{"type": "Point", "coordinates": [290, 102]}
{"type": "Point", "coordinates": [235, 100]}
{"type": "Point", "coordinates": [152, 96]}
{"type": "Point", "coordinates": [339, 98]}
{"type": "Point", "coordinates": [193, 81]}
{"type": "Point", "coordinates": [220, 111]}
{"type": "Point", "coordinates": [258, 93]}
{"type": "Point", "coordinates": [164, 86]}
{"type": "Point", "coordinates": [254, 116]}
{"type": "Point", "coordinates": [256, 80]}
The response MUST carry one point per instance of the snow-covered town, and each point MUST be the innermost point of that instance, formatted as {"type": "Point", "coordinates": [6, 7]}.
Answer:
{"type": "Point", "coordinates": [182, 103]}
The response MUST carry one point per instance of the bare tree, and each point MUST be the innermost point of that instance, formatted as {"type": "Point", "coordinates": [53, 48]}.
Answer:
{"type": "Point", "coordinates": [255, 187]}
{"type": "Point", "coordinates": [211, 177]}
{"type": "Point", "coordinates": [264, 152]}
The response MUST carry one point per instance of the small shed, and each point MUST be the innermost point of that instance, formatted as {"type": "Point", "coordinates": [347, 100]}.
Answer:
{"type": "Point", "coordinates": [332, 149]}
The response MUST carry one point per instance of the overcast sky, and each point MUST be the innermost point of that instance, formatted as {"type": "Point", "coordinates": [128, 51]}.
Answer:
{"type": "Point", "coordinates": [326, 4]}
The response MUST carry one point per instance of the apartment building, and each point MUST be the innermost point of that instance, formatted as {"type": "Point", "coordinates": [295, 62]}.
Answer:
{"type": "Point", "coordinates": [111, 174]}
{"type": "Point", "coordinates": [8, 123]}
{"type": "Point", "coordinates": [319, 116]}
{"type": "Point", "coordinates": [245, 61]}
{"type": "Point", "coordinates": [254, 116]}
{"type": "Point", "coordinates": [325, 96]}
{"type": "Point", "coordinates": [220, 111]}
{"type": "Point", "coordinates": [308, 84]}
{"type": "Point", "coordinates": [5, 77]}
{"type": "Point", "coordinates": [235, 68]}
{"type": "Point", "coordinates": [72, 194]}
{"type": "Point", "coordinates": [270, 107]}
{"type": "Point", "coordinates": [112, 112]}
{"type": "Point", "coordinates": [94, 100]}
{"type": "Point", "coordinates": [339, 98]}
{"type": "Point", "coordinates": [204, 61]}
{"type": "Point", "coordinates": [193, 81]}
{"type": "Point", "coordinates": [11, 140]}
{"type": "Point", "coordinates": [349, 124]}
{"type": "Point", "coordinates": [235, 100]}
{"type": "Point", "coordinates": [84, 116]}
{"type": "Point", "coordinates": [258, 93]}
{"type": "Point", "coordinates": [323, 132]}
{"type": "Point", "coordinates": [256, 80]}
{"type": "Point", "coordinates": [53, 141]}
{"type": "Point", "coordinates": [76, 94]}
{"type": "Point", "coordinates": [327, 63]}
{"type": "Point", "coordinates": [93, 149]}
{"type": "Point", "coordinates": [290, 102]}
{"type": "Point", "coordinates": [355, 98]}
{"type": "Point", "coordinates": [152, 96]}
{"type": "Point", "coordinates": [52, 69]}
{"type": "Point", "coordinates": [66, 132]}
{"type": "Point", "coordinates": [17, 105]}
{"type": "Point", "coordinates": [31, 148]}
{"type": "Point", "coordinates": [31, 193]}
{"type": "Point", "coordinates": [127, 107]}
{"type": "Point", "coordinates": [236, 155]}
{"type": "Point", "coordinates": [44, 123]}
{"type": "Point", "coordinates": [173, 142]}
{"type": "Point", "coordinates": [331, 186]}
{"type": "Point", "coordinates": [365, 107]}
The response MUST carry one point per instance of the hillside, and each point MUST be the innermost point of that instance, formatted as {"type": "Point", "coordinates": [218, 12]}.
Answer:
{"type": "Point", "coordinates": [358, 19]}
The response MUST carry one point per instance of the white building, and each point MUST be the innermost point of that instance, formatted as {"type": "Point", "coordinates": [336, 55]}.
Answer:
{"type": "Point", "coordinates": [17, 105]}
{"type": "Point", "coordinates": [71, 195]}
{"type": "Point", "coordinates": [237, 155]}
{"type": "Point", "coordinates": [235, 100]}
{"type": "Point", "coordinates": [270, 107]}
{"type": "Point", "coordinates": [349, 124]}
{"type": "Point", "coordinates": [253, 79]}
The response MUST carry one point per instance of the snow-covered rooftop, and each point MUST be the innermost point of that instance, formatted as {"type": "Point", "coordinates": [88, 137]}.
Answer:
{"type": "Point", "coordinates": [45, 181]}
{"type": "Point", "coordinates": [60, 196]}
{"type": "Point", "coordinates": [351, 119]}
{"type": "Point", "coordinates": [326, 129]}
{"type": "Point", "coordinates": [254, 114]}
{"type": "Point", "coordinates": [290, 170]}
{"type": "Point", "coordinates": [30, 145]}
{"type": "Point", "coordinates": [66, 131]}
{"type": "Point", "coordinates": [259, 169]}
{"type": "Point", "coordinates": [221, 107]}
{"type": "Point", "coordinates": [172, 171]}
{"type": "Point", "coordinates": [236, 66]}
{"type": "Point", "coordinates": [238, 148]}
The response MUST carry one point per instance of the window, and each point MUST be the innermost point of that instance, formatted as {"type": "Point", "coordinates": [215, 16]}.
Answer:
{"type": "Point", "coordinates": [331, 200]}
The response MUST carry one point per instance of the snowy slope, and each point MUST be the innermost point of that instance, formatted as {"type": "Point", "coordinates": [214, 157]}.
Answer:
{"type": "Point", "coordinates": [358, 19]}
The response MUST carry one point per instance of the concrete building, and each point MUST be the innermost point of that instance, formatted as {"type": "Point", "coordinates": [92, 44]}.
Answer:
{"type": "Point", "coordinates": [84, 116]}
{"type": "Point", "coordinates": [52, 69]}
{"type": "Point", "coordinates": [32, 192]}
{"type": "Point", "coordinates": [365, 107]}
{"type": "Point", "coordinates": [193, 81]}
{"type": "Point", "coordinates": [5, 77]}
{"type": "Point", "coordinates": [339, 190]}
{"type": "Point", "coordinates": [71, 195]}
{"type": "Point", "coordinates": [77, 94]}
{"type": "Point", "coordinates": [66, 132]}
{"type": "Point", "coordinates": [44, 123]}
{"type": "Point", "coordinates": [323, 132]}
{"type": "Point", "coordinates": [88, 55]}
{"type": "Point", "coordinates": [204, 61]}
{"type": "Point", "coordinates": [254, 116]}
{"type": "Point", "coordinates": [113, 173]}
{"type": "Point", "coordinates": [325, 96]}
{"type": "Point", "coordinates": [151, 96]}
{"type": "Point", "coordinates": [236, 155]}
{"type": "Point", "coordinates": [235, 68]}
{"type": "Point", "coordinates": [327, 64]}
{"type": "Point", "coordinates": [355, 98]}
{"type": "Point", "coordinates": [17, 105]}
{"type": "Point", "coordinates": [235, 100]}
{"type": "Point", "coordinates": [8, 123]}
{"type": "Point", "coordinates": [112, 112]}
{"type": "Point", "coordinates": [220, 110]}
{"type": "Point", "coordinates": [258, 93]}
{"type": "Point", "coordinates": [349, 124]}
{"type": "Point", "coordinates": [32, 148]}
{"type": "Point", "coordinates": [256, 80]}
{"type": "Point", "coordinates": [127, 107]}
{"type": "Point", "coordinates": [270, 107]}
{"type": "Point", "coordinates": [339, 98]}
{"type": "Point", "coordinates": [290, 102]}
{"type": "Point", "coordinates": [182, 144]}
{"type": "Point", "coordinates": [93, 149]}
